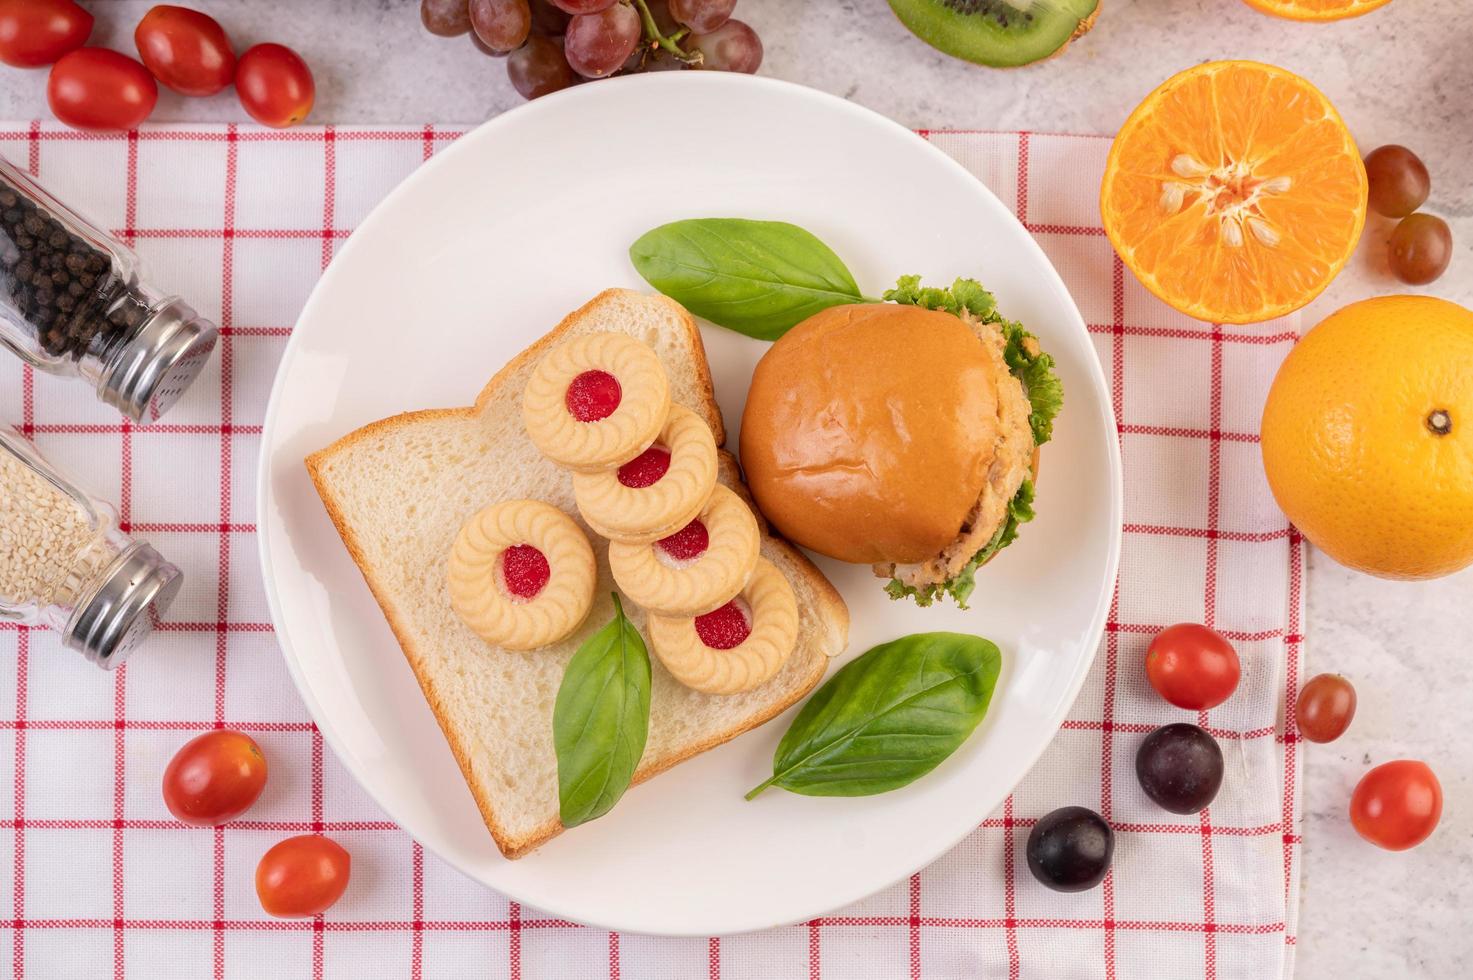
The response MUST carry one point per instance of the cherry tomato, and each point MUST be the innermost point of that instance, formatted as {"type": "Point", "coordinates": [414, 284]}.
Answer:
{"type": "Point", "coordinates": [1192, 666]}
{"type": "Point", "coordinates": [1325, 707]}
{"type": "Point", "coordinates": [185, 49]}
{"type": "Point", "coordinates": [37, 32]}
{"type": "Point", "coordinates": [275, 85]}
{"type": "Point", "coordinates": [302, 876]}
{"type": "Point", "coordinates": [1397, 805]}
{"type": "Point", "coordinates": [214, 778]}
{"type": "Point", "coordinates": [94, 88]}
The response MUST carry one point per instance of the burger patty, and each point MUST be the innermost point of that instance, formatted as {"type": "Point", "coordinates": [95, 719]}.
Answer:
{"type": "Point", "coordinates": [1011, 464]}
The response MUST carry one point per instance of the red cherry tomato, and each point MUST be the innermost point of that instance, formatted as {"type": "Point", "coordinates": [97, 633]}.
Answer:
{"type": "Point", "coordinates": [37, 32]}
{"type": "Point", "coordinates": [185, 49]}
{"type": "Point", "coordinates": [275, 85]}
{"type": "Point", "coordinates": [1325, 708]}
{"type": "Point", "coordinates": [214, 778]}
{"type": "Point", "coordinates": [1192, 666]}
{"type": "Point", "coordinates": [1397, 805]}
{"type": "Point", "coordinates": [302, 876]}
{"type": "Point", "coordinates": [94, 88]}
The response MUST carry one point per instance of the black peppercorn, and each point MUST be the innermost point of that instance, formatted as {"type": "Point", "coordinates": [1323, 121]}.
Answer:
{"type": "Point", "coordinates": [59, 283]}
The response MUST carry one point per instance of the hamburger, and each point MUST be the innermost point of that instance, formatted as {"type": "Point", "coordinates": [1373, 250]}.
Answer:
{"type": "Point", "coordinates": [902, 435]}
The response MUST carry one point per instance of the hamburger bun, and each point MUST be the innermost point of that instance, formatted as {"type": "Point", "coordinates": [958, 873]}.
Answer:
{"type": "Point", "coordinates": [876, 433]}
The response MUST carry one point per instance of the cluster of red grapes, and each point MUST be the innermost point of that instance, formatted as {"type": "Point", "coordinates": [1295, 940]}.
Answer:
{"type": "Point", "coordinates": [552, 44]}
{"type": "Point", "coordinates": [1421, 245]}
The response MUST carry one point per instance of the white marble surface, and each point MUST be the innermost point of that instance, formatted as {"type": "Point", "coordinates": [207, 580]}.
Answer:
{"type": "Point", "coordinates": [1403, 74]}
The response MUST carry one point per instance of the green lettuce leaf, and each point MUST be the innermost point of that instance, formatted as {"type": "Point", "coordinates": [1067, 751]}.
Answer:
{"type": "Point", "coordinates": [961, 585]}
{"type": "Point", "coordinates": [1034, 369]}
{"type": "Point", "coordinates": [1025, 361]}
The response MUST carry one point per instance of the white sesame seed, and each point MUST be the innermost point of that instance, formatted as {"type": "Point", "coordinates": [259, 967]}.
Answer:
{"type": "Point", "coordinates": [50, 545]}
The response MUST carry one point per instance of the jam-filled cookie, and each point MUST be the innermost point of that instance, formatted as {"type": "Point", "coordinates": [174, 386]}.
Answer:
{"type": "Point", "coordinates": [696, 569]}
{"type": "Point", "coordinates": [661, 489]}
{"type": "Point", "coordinates": [735, 647]}
{"type": "Point", "coordinates": [596, 402]}
{"type": "Point", "coordinates": [521, 574]}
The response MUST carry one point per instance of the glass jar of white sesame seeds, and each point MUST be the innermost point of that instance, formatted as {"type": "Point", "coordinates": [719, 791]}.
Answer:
{"type": "Point", "coordinates": [65, 564]}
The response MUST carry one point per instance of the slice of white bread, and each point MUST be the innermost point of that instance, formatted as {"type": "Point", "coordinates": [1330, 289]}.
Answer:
{"type": "Point", "coordinates": [398, 490]}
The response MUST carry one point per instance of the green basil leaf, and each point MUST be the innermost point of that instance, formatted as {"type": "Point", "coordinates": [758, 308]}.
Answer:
{"type": "Point", "coordinates": [888, 717]}
{"type": "Point", "coordinates": [759, 278]}
{"type": "Point", "coordinates": [601, 720]}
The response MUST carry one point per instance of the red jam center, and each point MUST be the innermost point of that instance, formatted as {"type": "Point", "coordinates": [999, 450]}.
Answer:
{"type": "Point", "coordinates": [593, 395]}
{"type": "Point", "coordinates": [723, 628]}
{"type": "Point", "coordinates": [525, 570]}
{"type": "Point", "coordinates": [689, 542]}
{"type": "Point", "coordinates": [646, 469]}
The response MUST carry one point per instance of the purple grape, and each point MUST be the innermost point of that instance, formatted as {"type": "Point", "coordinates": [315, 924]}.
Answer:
{"type": "Point", "coordinates": [1069, 850]}
{"type": "Point", "coordinates": [702, 16]}
{"type": "Point", "coordinates": [732, 47]}
{"type": "Point", "coordinates": [1180, 767]}
{"type": "Point", "coordinates": [445, 18]}
{"type": "Point", "coordinates": [548, 19]}
{"type": "Point", "coordinates": [664, 20]}
{"type": "Point", "coordinates": [538, 67]}
{"type": "Point", "coordinates": [597, 45]}
{"type": "Point", "coordinates": [1420, 249]}
{"type": "Point", "coordinates": [583, 6]}
{"type": "Point", "coordinates": [502, 25]}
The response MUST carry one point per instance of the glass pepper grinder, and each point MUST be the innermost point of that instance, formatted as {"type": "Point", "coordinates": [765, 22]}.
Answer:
{"type": "Point", "coordinates": [72, 304]}
{"type": "Point", "coordinates": [64, 563]}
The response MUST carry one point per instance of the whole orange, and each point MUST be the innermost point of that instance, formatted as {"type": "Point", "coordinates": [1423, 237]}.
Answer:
{"type": "Point", "coordinates": [1368, 436]}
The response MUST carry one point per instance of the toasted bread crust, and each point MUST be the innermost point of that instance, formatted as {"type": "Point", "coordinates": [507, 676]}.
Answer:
{"type": "Point", "coordinates": [833, 610]}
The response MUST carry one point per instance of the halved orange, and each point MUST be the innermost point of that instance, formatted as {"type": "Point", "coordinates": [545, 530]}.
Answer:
{"type": "Point", "coordinates": [1316, 9]}
{"type": "Point", "coordinates": [1234, 192]}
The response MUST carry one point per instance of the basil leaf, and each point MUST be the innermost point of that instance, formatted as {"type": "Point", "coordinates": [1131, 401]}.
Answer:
{"type": "Point", "coordinates": [601, 720]}
{"type": "Point", "coordinates": [759, 278]}
{"type": "Point", "coordinates": [888, 717]}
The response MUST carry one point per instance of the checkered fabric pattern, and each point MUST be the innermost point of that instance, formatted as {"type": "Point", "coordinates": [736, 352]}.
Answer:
{"type": "Point", "coordinates": [242, 221]}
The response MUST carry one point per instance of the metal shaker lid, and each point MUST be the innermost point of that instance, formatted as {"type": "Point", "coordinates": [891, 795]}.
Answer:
{"type": "Point", "coordinates": [146, 376]}
{"type": "Point", "coordinates": [114, 617]}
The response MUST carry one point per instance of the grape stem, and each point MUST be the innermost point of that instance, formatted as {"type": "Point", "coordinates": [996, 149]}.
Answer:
{"type": "Point", "coordinates": [670, 43]}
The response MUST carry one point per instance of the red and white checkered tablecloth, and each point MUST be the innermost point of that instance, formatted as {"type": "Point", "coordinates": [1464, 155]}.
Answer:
{"type": "Point", "coordinates": [242, 221]}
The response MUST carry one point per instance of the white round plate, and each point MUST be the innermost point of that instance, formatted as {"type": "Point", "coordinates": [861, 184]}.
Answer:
{"type": "Point", "coordinates": [482, 251]}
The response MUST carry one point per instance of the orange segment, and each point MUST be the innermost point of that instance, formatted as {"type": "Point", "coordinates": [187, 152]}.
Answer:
{"type": "Point", "coordinates": [1234, 192]}
{"type": "Point", "coordinates": [1316, 9]}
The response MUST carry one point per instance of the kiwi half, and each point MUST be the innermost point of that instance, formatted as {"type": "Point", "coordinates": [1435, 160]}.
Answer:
{"type": "Point", "coordinates": [1000, 33]}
